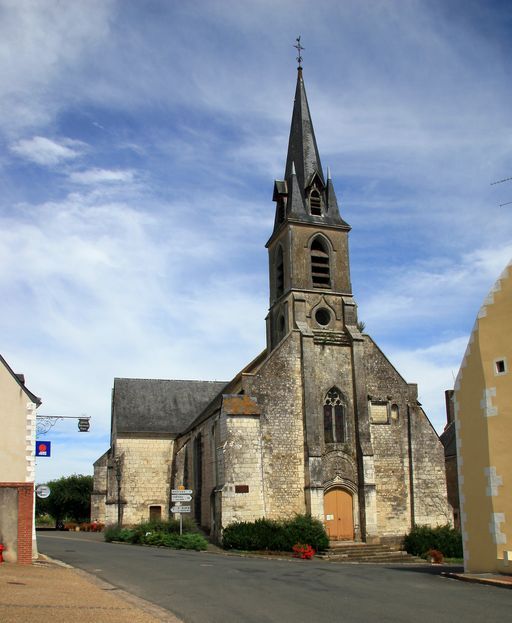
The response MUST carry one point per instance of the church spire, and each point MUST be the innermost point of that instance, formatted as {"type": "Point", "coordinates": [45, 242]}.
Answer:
{"type": "Point", "coordinates": [304, 195]}
{"type": "Point", "coordinates": [302, 148]}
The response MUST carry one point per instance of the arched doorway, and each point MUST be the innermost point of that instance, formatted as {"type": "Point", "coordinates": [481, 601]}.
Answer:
{"type": "Point", "coordinates": [339, 514]}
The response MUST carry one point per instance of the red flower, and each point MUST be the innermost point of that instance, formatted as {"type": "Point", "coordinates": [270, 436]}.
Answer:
{"type": "Point", "coordinates": [304, 551]}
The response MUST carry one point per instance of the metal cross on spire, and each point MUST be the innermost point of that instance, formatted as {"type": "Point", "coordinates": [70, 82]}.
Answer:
{"type": "Point", "coordinates": [299, 50]}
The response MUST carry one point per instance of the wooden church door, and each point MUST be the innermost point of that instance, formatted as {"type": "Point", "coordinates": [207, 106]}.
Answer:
{"type": "Point", "coordinates": [339, 516]}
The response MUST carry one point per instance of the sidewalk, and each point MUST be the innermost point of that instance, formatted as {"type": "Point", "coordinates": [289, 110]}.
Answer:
{"type": "Point", "coordinates": [491, 579]}
{"type": "Point", "coordinates": [48, 590]}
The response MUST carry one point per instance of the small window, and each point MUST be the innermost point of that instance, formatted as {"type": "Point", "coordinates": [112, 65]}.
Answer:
{"type": "Point", "coordinates": [155, 513]}
{"type": "Point", "coordinates": [279, 271]}
{"type": "Point", "coordinates": [320, 269]}
{"type": "Point", "coordinates": [315, 203]}
{"type": "Point", "coordinates": [395, 414]}
{"type": "Point", "coordinates": [323, 316]}
{"type": "Point", "coordinates": [281, 325]}
{"type": "Point", "coordinates": [500, 367]}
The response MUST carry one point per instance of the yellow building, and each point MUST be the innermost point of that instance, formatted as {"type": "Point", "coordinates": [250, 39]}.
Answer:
{"type": "Point", "coordinates": [18, 424]}
{"type": "Point", "coordinates": [483, 420]}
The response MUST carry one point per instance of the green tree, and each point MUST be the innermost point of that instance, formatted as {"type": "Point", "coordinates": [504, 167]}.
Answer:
{"type": "Point", "coordinates": [70, 499]}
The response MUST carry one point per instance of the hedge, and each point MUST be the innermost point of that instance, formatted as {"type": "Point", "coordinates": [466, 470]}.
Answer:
{"type": "Point", "coordinates": [278, 536]}
{"type": "Point", "coordinates": [445, 539]}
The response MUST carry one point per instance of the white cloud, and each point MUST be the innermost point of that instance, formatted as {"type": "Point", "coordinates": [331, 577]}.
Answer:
{"type": "Point", "coordinates": [436, 366]}
{"type": "Point", "coordinates": [101, 176]}
{"type": "Point", "coordinates": [47, 152]}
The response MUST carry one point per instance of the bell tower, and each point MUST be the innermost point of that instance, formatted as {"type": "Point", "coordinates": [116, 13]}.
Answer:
{"type": "Point", "coordinates": [310, 287]}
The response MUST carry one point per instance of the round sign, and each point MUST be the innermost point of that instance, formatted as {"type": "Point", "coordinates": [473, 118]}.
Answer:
{"type": "Point", "coordinates": [42, 491]}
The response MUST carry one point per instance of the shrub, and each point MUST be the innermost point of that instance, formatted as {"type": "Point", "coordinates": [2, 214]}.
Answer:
{"type": "Point", "coordinates": [113, 533]}
{"type": "Point", "coordinates": [172, 526]}
{"type": "Point", "coordinates": [271, 535]}
{"type": "Point", "coordinates": [444, 539]}
{"type": "Point", "coordinates": [45, 520]}
{"type": "Point", "coordinates": [156, 533]}
{"type": "Point", "coordinates": [176, 541]}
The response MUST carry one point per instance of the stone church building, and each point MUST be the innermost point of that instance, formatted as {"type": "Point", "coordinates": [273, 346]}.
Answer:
{"type": "Point", "coordinates": [320, 422]}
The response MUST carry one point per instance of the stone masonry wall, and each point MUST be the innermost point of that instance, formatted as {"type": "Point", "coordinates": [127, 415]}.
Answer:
{"type": "Point", "coordinates": [242, 490]}
{"type": "Point", "coordinates": [277, 387]}
{"type": "Point", "coordinates": [390, 444]}
{"type": "Point", "coordinates": [99, 494]}
{"type": "Point", "coordinates": [392, 448]}
{"type": "Point", "coordinates": [430, 497]}
{"type": "Point", "coordinates": [146, 464]}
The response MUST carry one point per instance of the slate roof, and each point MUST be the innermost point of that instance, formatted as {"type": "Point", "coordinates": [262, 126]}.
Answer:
{"type": "Point", "coordinates": [159, 405]}
{"type": "Point", "coordinates": [302, 167]}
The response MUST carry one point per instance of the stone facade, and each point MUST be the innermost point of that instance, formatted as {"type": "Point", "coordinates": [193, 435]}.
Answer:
{"type": "Point", "coordinates": [321, 414]}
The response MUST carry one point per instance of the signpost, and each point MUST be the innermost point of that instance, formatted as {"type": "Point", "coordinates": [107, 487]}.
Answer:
{"type": "Point", "coordinates": [181, 495]}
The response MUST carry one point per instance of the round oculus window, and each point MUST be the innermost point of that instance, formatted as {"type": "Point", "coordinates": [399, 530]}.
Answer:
{"type": "Point", "coordinates": [323, 316]}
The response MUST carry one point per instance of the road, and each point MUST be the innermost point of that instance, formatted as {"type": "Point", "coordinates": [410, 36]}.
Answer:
{"type": "Point", "coordinates": [202, 587]}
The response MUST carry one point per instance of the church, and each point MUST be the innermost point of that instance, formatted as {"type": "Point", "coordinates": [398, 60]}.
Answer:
{"type": "Point", "coordinates": [320, 422]}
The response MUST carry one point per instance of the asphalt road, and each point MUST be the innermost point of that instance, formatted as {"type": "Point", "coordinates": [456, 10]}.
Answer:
{"type": "Point", "coordinates": [211, 588]}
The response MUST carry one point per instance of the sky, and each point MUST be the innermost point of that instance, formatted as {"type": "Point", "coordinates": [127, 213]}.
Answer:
{"type": "Point", "coordinates": [139, 143]}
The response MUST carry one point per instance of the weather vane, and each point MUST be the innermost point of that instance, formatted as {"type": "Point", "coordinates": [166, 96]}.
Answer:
{"type": "Point", "coordinates": [299, 50]}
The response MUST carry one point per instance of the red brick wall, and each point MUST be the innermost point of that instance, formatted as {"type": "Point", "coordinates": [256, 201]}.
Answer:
{"type": "Point", "coordinates": [25, 518]}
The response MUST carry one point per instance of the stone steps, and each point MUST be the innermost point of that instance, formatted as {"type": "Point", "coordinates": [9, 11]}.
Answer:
{"type": "Point", "coordinates": [362, 552]}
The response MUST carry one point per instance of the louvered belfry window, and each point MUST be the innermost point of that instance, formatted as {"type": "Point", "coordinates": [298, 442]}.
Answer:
{"type": "Point", "coordinates": [334, 417]}
{"type": "Point", "coordinates": [320, 268]}
{"type": "Point", "coordinates": [315, 203]}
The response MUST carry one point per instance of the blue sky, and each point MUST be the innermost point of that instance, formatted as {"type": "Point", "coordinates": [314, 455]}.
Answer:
{"type": "Point", "coordinates": [139, 141]}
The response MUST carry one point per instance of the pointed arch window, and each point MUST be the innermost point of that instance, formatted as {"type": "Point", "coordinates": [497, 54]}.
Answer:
{"type": "Point", "coordinates": [279, 271]}
{"type": "Point", "coordinates": [320, 265]}
{"type": "Point", "coordinates": [315, 202]}
{"type": "Point", "coordinates": [334, 417]}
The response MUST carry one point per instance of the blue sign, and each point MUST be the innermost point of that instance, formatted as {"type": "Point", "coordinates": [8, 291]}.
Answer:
{"type": "Point", "coordinates": [43, 448]}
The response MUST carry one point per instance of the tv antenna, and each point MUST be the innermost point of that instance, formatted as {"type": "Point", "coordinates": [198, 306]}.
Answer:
{"type": "Point", "coordinates": [507, 179]}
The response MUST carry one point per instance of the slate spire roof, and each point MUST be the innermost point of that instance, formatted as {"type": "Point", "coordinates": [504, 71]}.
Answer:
{"type": "Point", "coordinates": [304, 174]}
{"type": "Point", "coordinates": [302, 147]}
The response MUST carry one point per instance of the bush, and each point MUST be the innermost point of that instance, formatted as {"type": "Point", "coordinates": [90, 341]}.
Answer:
{"type": "Point", "coordinates": [176, 541]}
{"type": "Point", "coordinates": [158, 533]}
{"type": "Point", "coordinates": [113, 533]}
{"type": "Point", "coordinates": [444, 539]}
{"type": "Point", "coordinates": [277, 536]}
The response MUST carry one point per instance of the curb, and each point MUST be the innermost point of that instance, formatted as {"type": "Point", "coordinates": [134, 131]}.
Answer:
{"type": "Point", "coordinates": [474, 579]}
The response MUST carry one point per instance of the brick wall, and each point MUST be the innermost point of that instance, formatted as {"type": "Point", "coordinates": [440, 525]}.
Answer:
{"type": "Point", "coordinates": [17, 515]}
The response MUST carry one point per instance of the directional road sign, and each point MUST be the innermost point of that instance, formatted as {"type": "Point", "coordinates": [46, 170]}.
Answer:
{"type": "Point", "coordinates": [180, 497]}
{"type": "Point", "coordinates": [183, 491]}
{"type": "Point", "coordinates": [181, 509]}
